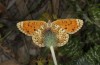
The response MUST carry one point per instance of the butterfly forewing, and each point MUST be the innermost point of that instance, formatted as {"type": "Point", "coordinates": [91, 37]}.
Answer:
{"type": "Point", "coordinates": [70, 25]}
{"type": "Point", "coordinates": [29, 27]}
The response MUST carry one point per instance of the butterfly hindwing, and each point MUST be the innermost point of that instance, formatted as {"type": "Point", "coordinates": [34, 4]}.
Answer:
{"type": "Point", "coordinates": [63, 38]}
{"type": "Point", "coordinates": [61, 35]}
{"type": "Point", "coordinates": [29, 27]}
{"type": "Point", "coordinates": [70, 25]}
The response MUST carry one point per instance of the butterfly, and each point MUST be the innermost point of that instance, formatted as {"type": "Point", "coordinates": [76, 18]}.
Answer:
{"type": "Point", "coordinates": [61, 29]}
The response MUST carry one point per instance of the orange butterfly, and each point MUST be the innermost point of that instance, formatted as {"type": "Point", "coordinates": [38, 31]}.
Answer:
{"type": "Point", "coordinates": [61, 29]}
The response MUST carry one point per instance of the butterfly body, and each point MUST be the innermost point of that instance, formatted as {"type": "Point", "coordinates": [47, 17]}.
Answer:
{"type": "Point", "coordinates": [52, 33]}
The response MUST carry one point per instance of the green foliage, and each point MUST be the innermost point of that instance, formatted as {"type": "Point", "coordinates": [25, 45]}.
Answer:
{"type": "Point", "coordinates": [95, 12]}
{"type": "Point", "coordinates": [92, 57]}
{"type": "Point", "coordinates": [1, 25]}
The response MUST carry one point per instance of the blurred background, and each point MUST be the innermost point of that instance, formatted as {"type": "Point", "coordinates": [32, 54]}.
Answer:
{"type": "Point", "coordinates": [83, 47]}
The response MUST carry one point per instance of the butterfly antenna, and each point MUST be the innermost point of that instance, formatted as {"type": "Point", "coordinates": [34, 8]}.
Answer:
{"type": "Point", "coordinates": [53, 55]}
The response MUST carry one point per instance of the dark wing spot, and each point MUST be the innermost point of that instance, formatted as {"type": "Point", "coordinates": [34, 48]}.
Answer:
{"type": "Point", "coordinates": [68, 24]}
{"type": "Point", "coordinates": [34, 29]}
{"type": "Point", "coordinates": [28, 31]}
{"type": "Point", "coordinates": [72, 29]}
{"type": "Point", "coordinates": [66, 28]}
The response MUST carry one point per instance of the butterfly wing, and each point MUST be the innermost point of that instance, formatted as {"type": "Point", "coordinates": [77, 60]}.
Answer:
{"type": "Point", "coordinates": [29, 27]}
{"type": "Point", "coordinates": [64, 27]}
{"type": "Point", "coordinates": [61, 35]}
{"type": "Point", "coordinates": [70, 25]}
{"type": "Point", "coordinates": [33, 28]}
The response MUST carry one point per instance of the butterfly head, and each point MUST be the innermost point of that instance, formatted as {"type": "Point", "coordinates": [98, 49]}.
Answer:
{"type": "Point", "coordinates": [49, 24]}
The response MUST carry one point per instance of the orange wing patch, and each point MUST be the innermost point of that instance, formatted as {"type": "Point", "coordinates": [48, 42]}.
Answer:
{"type": "Point", "coordinates": [70, 25]}
{"type": "Point", "coordinates": [29, 27]}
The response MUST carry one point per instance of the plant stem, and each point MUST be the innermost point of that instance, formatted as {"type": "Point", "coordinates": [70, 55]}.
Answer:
{"type": "Point", "coordinates": [53, 55]}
